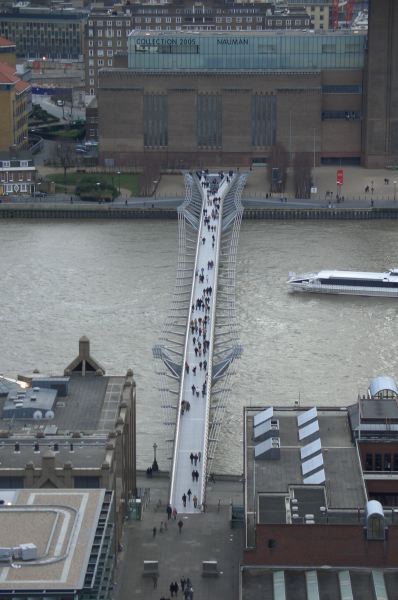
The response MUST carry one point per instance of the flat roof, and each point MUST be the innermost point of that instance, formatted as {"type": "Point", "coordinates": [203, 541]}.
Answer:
{"type": "Point", "coordinates": [269, 482]}
{"type": "Point", "coordinates": [299, 584]}
{"type": "Point", "coordinates": [85, 454]}
{"type": "Point", "coordinates": [90, 407]}
{"type": "Point", "coordinates": [62, 524]}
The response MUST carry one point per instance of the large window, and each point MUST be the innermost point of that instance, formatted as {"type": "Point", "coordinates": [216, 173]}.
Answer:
{"type": "Point", "coordinates": [209, 120]}
{"type": "Point", "coordinates": [155, 120]}
{"type": "Point", "coordinates": [263, 119]}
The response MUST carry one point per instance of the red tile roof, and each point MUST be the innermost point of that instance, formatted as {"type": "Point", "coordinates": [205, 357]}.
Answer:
{"type": "Point", "coordinates": [4, 43]}
{"type": "Point", "coordinates": [7, 75]}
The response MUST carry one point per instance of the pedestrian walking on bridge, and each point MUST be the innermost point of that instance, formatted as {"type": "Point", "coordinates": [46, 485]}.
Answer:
{"type": "Point", "coordinates": [180, 525]}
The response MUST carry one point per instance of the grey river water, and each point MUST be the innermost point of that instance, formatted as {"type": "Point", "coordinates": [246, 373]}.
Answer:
{"type": "Point", "coordinates": [113, 282]}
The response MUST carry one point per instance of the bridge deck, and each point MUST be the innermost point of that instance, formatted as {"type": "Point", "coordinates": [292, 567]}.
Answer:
{"type": "Point", "coordinates": [193, 423]}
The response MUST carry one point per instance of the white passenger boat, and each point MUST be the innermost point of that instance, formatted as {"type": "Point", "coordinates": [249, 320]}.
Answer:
{"type": "Point", "coordinates": [356, 283]}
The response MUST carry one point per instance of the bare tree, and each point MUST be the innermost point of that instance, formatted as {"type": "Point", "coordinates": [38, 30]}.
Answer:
{"type": "Point", "coordinates": [66, 157]}
{"type": "Point", "coordinates": [278, 162]}
{"type": "Point", "coordinates": [302, 174]}
{"type": "Point", "coordinates": [150, 175]}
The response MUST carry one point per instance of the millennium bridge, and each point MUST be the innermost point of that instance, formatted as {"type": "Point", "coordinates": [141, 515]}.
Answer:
{"type": "Point", "coordinates": [199, 339]}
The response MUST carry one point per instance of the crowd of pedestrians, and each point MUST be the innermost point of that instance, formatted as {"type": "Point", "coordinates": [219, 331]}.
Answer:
{"type": "Point", "coordinates": [196, 365]}
{"type": "Point", "coordinates": [185, 587]}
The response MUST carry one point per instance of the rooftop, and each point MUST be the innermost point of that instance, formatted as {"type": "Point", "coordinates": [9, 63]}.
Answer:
{"type": "Point", "coordinates": [275, 485]}
{"type": "Point", "coordinates": [327, 583]}
{"type": "Point", "coordinates": [90, 407]}
{"type": "Point", "coordinates": [62, 525]}
{"type": "Point", "coordinates": [8, 76]}
{"type": "Point", "coordinates": [4, 43]}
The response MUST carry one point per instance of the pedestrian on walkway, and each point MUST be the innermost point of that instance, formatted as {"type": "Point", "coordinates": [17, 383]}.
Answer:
{"type": "Point", "coordinates": [171, 588]}
{"type": "Point", "coordinates": [169, 511]}
{"type": "Point", "coordinates": [180, 525]}
{"type": "Point", "coordinates": [154, 530]}
{"type": "Point", "coordinates": [175, 513]}
{"type": "Point", "coordinates": [193, 475]}
{"type": "Point", "coordinates": [199, 456]}
{"type": "Point", "coordinates": [176, 588]}
{"type": "Point", "coordinates": [184, 500]}
{"type": "Point", "coordinates": [161, 527]}
{"type": "Point", "coordinates": [195, 459]}
{"type": "Point", "coordinates": [183, 582]}
{"type": "Point", "coordinates": [195, 501]}
{"type": "Point", "coordinates": [191, 457]}
{"type": "Point", "coordinates": [189, 494]}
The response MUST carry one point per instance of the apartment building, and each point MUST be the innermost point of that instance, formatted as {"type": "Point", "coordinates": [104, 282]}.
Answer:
{"type": "Point", "coordinates": [318, 10]}
{"type": "Point", "coordinates": [15, 105]}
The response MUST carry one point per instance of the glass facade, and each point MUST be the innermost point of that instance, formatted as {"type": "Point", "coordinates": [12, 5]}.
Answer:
{"type": "Point", "coordinates": [243, 51]}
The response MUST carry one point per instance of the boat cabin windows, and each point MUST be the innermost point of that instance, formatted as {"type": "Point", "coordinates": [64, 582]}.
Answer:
{"type": "Point", "coordinates": [359, 282]}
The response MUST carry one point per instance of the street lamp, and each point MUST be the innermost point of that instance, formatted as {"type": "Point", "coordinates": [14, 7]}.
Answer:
{"type": "Point", "coordinates": [155, 467]}
{"type": "Point", "coordinates": [118, 174]}
{"type": "Point", "coordinates": [395, 190]}
{"type": "Point", "coordinates": [98, 184]}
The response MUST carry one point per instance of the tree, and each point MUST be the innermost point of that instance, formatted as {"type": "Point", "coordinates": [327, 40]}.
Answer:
{"type": "Point", "coordinates": [302, 174]}
{"type": "Point", "coordinates": [89, 189]}
{"type": "Point", "coordinates": [65, 157]}
{"type": "Point", "coordinates": [149, 176]}
{"type": "Point", "coordinates": [278, 162]}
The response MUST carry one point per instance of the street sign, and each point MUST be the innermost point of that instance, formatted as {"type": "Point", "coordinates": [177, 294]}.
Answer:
{"type": "Point", "coordinates": [339, 176]}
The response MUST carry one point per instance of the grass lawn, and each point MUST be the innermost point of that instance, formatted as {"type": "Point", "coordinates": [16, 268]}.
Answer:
{"type": "Point", "coordinates": [128, 181]}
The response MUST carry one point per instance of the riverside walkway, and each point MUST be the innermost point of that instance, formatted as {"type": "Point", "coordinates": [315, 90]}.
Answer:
{"type": "Point", "coordinates": [205, 332]}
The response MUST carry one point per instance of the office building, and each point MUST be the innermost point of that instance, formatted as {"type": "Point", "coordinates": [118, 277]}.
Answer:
{"type": "Point", "coordinates": [72, 431]}
{"type": "Point", "coordinates": [314, 527]}
{"type": "Point", "coordinates": [38, 32]}
{"type": "Point", "coordinates": [58, 546]}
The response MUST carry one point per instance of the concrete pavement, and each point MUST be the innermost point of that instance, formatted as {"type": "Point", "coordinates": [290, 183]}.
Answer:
{"type": "Point", "coordinates": [205, 536]}
{"type": "Point", "coordinates": [356, 179]}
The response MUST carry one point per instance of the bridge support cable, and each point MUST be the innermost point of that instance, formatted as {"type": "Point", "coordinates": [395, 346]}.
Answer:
{"type": "Point", "coordinates": [205, 194]}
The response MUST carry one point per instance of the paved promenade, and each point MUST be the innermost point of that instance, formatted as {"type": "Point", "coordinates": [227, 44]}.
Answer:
{"type": "Point", "coordinates": [356, 179]}
{"type": "Point", "coordinates": [205, 536]}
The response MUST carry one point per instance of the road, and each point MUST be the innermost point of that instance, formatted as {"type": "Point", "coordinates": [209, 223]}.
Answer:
{"type": "Point", "coordinates": [65, 113]}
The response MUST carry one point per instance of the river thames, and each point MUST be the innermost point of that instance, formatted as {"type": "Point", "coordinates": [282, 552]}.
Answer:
{"type": "Point", "coordinates": [113, 282]}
